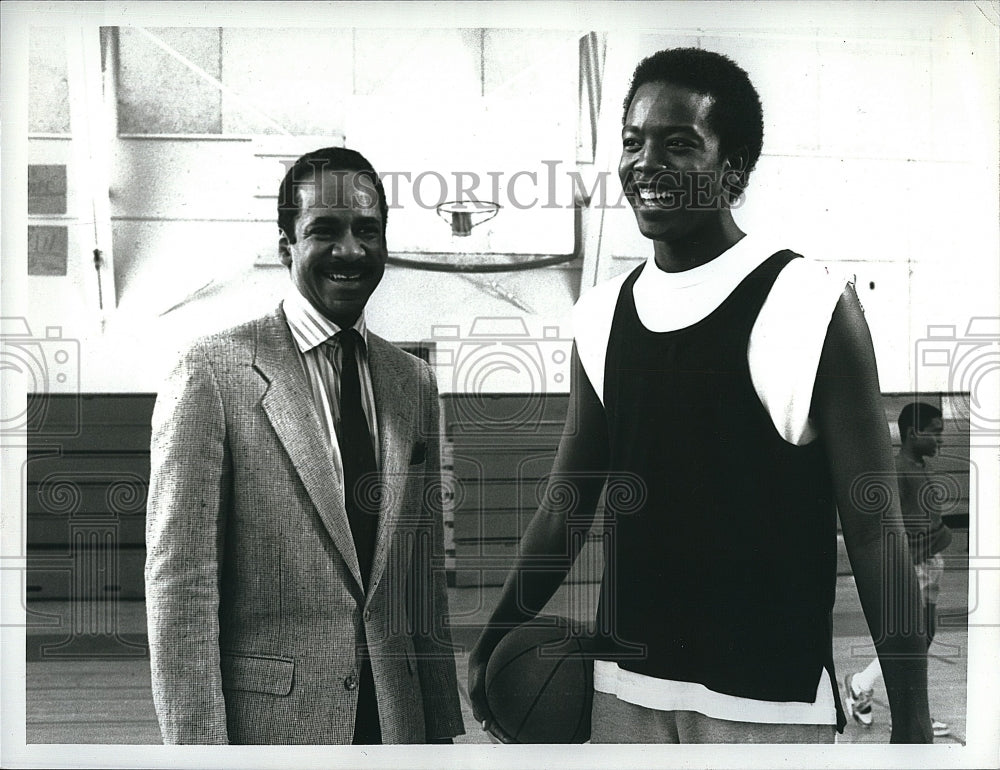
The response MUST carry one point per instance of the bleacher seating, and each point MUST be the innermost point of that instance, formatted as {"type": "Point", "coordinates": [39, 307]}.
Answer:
{"type": "Point", "coordinates": [88, 472]}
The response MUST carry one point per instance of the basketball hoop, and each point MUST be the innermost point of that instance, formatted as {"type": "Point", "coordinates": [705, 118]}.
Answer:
{"type": "Point", "coordinates": [460, 216]}
{"type": "Point", "coordinates": [460, 213]}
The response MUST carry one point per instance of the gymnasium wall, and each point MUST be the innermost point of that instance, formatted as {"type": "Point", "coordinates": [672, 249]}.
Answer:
{"type": "Point", "coordinates": [880, 160]}
{"type": "Point", "coordinates": [877, 137]}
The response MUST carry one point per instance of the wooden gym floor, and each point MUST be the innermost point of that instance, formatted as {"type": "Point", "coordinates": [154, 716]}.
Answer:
{"type": "Point", "coordinates": [100, 693]}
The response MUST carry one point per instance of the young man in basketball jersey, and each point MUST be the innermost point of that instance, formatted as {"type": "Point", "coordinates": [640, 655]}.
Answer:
{"type": "Point", "coordinates": [727, 393]}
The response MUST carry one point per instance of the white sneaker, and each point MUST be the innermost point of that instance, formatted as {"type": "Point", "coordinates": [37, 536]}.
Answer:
{"type": "Point", "coordinates": [858, 703]}
{"type": "Point", "coordinates": [940, 729]}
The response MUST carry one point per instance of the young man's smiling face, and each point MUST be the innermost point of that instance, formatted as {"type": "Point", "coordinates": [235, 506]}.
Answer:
{"type": "Point", "coordinates": [671, 167]}
{"type": "Point", "coordinates": [339, 253]}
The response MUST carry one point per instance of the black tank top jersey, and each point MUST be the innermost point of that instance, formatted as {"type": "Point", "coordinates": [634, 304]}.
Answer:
{"type": "Point", "coordinates": [722, 570]}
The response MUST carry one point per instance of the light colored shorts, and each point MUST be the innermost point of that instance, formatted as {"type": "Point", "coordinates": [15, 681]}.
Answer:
{"type": "Point", "coordinates": [929, 574]}
{"type": "Point", "coordinates": [618, 721]}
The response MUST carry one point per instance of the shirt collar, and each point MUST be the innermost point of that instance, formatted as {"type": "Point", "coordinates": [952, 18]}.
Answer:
{"type": "Point", "coordinates": [738, 259]}
{"type": "Point", "coordinates": [309, 327]}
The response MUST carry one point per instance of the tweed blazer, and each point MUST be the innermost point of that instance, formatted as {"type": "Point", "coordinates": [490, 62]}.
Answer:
{"type": "Point", "coordinates": [256, 612]}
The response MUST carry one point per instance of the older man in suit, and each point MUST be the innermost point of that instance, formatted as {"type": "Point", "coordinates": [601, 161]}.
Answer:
{"type": "Point", "coordinates": [294, 581]}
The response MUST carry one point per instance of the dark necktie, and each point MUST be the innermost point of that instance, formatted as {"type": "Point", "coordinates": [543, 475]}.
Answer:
{"type": "Point", "coordinates": [363, 497]}
{"type": "Point", "coordinates": [362, 490]}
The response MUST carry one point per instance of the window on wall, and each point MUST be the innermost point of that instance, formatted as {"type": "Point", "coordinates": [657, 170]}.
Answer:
{"type": "Point", "coordinates": [184, 80]}
{"type": "Point", "coordinates": [232, 82]}
{"type": "Point", "coordinates": [485, 116]}
{"type": "Point", "coordinates": [48, 82]}
{"type": "Point", "coordinates": [160, 93]}
{"type": "Point", "coordinates": [49, 125]}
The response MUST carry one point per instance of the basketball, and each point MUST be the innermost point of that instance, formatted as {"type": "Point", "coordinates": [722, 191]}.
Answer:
{"type": "Point", "coordinates": [540, 682]}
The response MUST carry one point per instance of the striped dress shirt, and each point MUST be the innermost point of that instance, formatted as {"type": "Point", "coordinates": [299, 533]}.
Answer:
{"type": "Point", "coordinates": [310, 330]}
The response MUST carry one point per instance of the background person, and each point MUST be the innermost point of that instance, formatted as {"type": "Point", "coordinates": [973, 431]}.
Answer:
{"type": "Point", "coordinates": [920, 429]}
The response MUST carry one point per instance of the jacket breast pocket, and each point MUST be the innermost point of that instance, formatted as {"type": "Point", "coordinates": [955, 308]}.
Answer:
{"type": "Point", "coordinates": [257, 673]}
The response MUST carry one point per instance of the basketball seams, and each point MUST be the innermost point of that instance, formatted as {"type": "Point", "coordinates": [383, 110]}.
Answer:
{"type": "Point", "coordinates": [530, 651]}
{"type": "Point", "coordinates": [507, 663]}
{"type": "Point", "coordinates": [560, 694]}
{"type": "Point", "coordinates": [538, 694]}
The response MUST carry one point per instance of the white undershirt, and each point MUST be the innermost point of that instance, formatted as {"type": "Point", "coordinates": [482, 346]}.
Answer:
{"type": "Point", "coordinates": [783, 353]}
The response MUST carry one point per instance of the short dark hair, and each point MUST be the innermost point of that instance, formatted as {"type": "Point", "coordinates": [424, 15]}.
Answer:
{"type": "Point", "coordinates": [916, 415]}
{"type": "Point", "coordinates": [736, 114]}
{"type": "Point", "coordinates": [304, 170]}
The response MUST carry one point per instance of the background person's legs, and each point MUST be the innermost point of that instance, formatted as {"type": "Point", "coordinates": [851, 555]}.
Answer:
{"type": "Point", "coordinates": [929, 574]}
{"type": "Point", "coordinates": [859, 687]}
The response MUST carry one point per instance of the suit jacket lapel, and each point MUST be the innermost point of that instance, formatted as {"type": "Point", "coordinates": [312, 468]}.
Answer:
{"type": "Point", "coordinates": [289, 406]}
{"type": "Point", "coordinates": [395, 400]}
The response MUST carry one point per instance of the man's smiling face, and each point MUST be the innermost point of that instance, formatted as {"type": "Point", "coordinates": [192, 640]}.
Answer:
{"type": "Point", "coordinates": [671, 166]}
{"type": "Point", "coordinates": [339, 252]}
